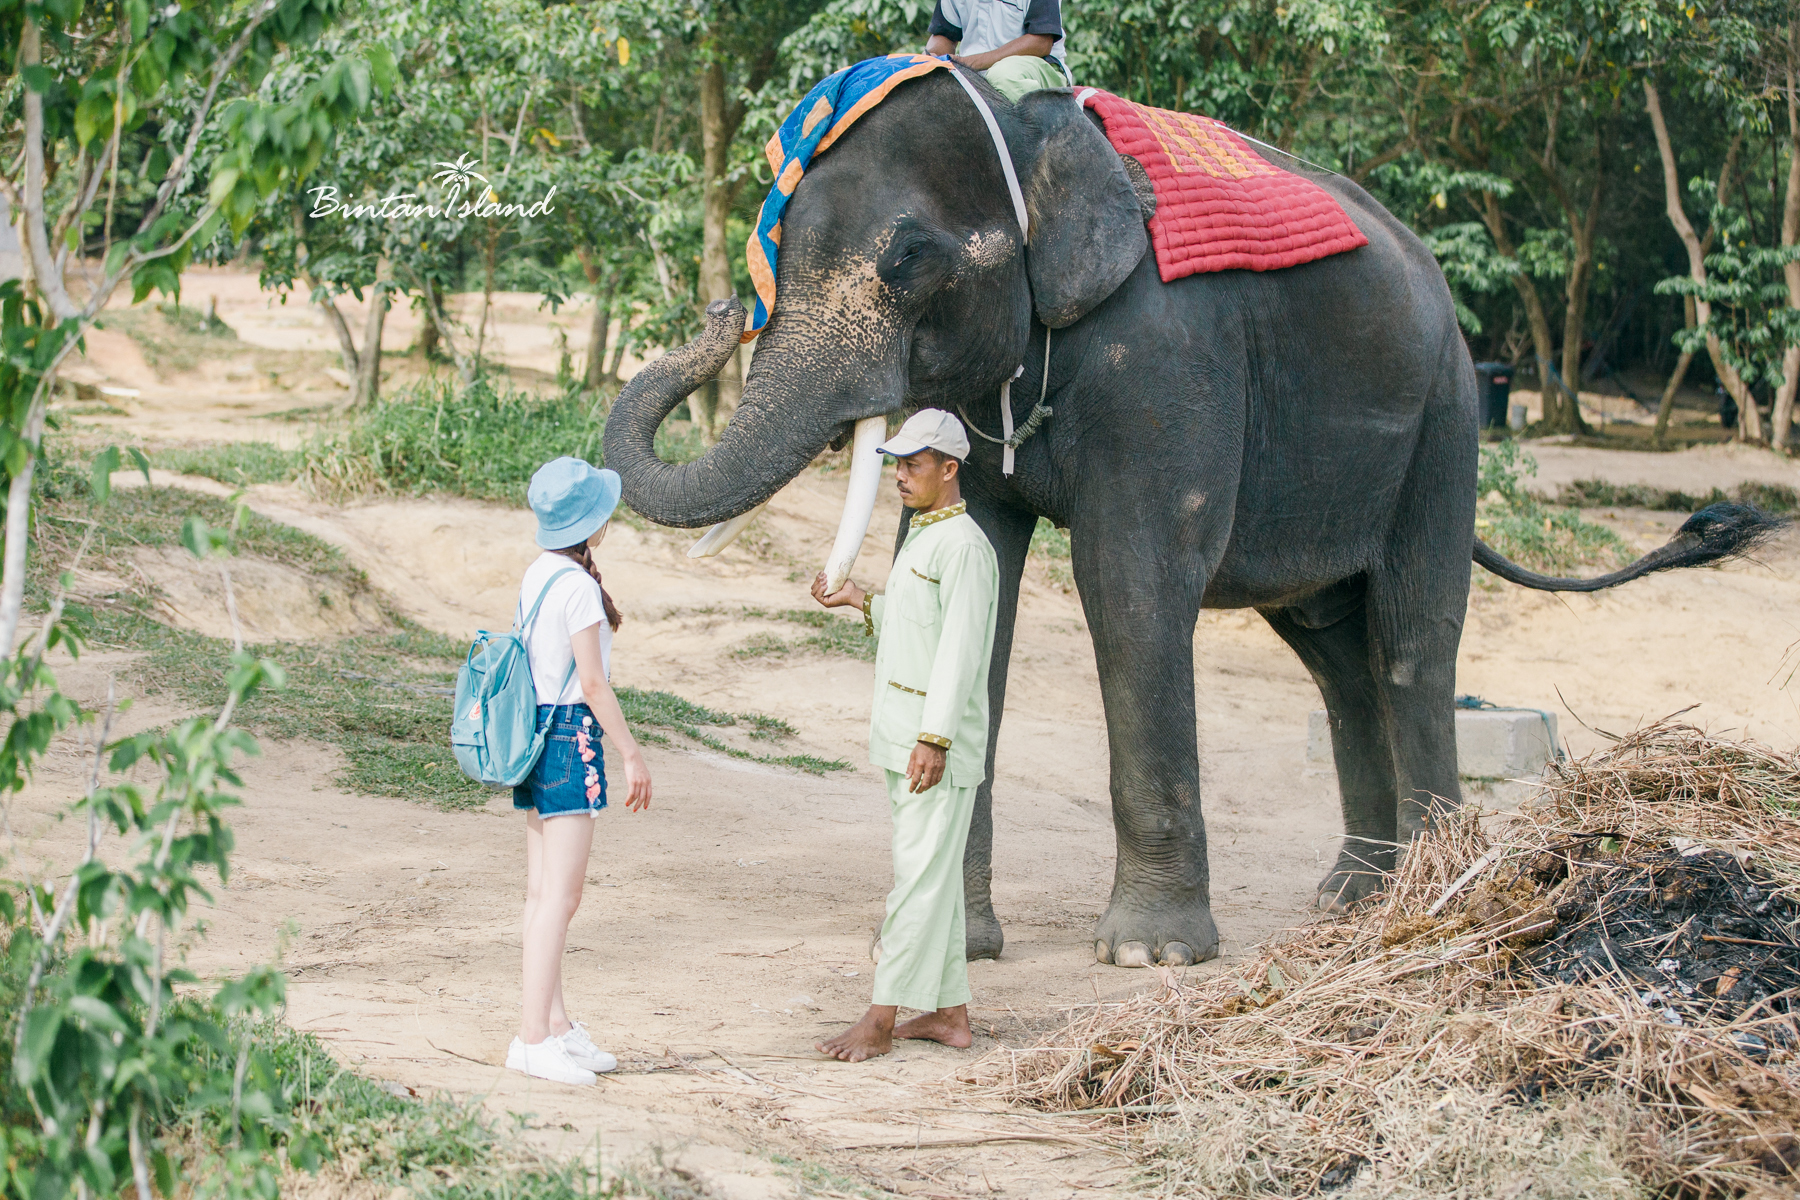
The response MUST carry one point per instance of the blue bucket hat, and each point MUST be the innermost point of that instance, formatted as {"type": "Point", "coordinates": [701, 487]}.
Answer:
{"type": "Point", "coordinates": [571, 499]}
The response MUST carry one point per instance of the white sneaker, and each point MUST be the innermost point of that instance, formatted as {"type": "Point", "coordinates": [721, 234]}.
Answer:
{"type": "Point", "coordinates": [584, 1053]}
{"type": "Point", "coordinates": [547, 1060]}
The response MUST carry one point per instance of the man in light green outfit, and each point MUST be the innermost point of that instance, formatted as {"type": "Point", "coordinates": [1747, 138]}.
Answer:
{"type": "Point", "coordinates": [929, 733]}
{"type": "Point", "coordinates": [1017, 44]}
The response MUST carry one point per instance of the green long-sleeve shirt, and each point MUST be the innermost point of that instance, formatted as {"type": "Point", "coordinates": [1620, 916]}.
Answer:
{"type": "Point", "coordinates": [936, 634]}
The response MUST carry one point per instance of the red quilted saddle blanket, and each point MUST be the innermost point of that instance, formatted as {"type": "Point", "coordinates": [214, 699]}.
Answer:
{"type": "Point", "coordinates": [1220, 206]}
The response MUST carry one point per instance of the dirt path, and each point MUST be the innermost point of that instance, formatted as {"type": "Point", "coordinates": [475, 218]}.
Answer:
{"type": "Point", "coordinates": [727, 928]}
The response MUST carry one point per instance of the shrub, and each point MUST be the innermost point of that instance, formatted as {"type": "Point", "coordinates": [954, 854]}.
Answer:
{"type": "Point", "coordinates": [1537, 536]}
{"type": "Point", "coordinates": [477, 441]}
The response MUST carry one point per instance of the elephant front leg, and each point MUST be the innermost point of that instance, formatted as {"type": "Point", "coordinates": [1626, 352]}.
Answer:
{"type": "Point", "coordinates": [1160, 910]}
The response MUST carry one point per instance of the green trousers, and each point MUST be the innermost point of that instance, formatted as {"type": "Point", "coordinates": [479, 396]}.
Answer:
{"type": "Point", "coordinates": [924, 952]}
{"type": "Point", "coordinates": [1021, 73]}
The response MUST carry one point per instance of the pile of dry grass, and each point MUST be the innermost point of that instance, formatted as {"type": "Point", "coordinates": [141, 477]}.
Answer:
{"type": "Point", "coordinates": [1461, 1035]}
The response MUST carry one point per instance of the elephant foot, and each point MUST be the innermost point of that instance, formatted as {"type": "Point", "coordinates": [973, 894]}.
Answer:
{"type": "Point", "coordinates": [984, 936]}
{"type": "Point", "coordinates": [1145, 933]}
{"type": "Point", "coordinates": [1356, 878]}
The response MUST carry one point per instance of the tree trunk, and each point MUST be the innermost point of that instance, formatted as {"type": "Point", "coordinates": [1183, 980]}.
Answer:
{"type": "Point", "coordinates": [618, 354]}
{"type": "Point", "coordinates": [368, 377]}
{"type": "Point", "coordinates": [1749, 420]}
{"type": "Point", "coordinates": [1666, 406]}
{"type": "Point", "coordinates": [1580, 282]}
{"type": "Point", "coordinates": [425, 341]}
{"type": "Point", "coordinates": [594, 375]}
{"type": "Point", "coordinates": [719, 122]}
{"type": "Point", "coordinates": [334, 317]}
{"type": "Point", "coordinates": [1536, 319]}
{"type": "Point", "coordinates": [1782, 418]}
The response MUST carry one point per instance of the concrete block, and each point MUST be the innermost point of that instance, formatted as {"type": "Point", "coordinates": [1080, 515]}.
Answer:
{"type": "Point", "coordinates": [1490, 743]}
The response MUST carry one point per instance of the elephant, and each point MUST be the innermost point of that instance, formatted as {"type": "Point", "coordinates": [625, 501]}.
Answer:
{"type": "Point", "coordinates": [1302, 442]}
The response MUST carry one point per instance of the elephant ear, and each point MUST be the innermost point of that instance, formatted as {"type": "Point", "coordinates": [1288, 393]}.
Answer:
{"type": "Point", "coordinates": [1087, 228]}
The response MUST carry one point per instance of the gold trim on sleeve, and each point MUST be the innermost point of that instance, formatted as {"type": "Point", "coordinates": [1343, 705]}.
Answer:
{"type": "Point", "coordinates": [932, 739]}
{"type": "Point", "coordinates": [868, 616]}
{"type": "Point", "coordinates": [942, 514]}
{"type": "Point", "coordinates": [895, 683]}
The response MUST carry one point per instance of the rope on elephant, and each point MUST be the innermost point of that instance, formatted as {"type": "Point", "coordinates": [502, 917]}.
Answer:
{"type": "Point", "coordinates": [1040, 412]}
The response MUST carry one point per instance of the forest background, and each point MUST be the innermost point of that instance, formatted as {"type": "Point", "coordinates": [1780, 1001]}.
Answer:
{"type": "Point", "coordinates": [1613, 188]}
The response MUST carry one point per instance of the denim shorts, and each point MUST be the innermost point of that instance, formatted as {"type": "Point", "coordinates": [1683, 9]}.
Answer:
{"type": "Point", "coordinates": [570, 777]}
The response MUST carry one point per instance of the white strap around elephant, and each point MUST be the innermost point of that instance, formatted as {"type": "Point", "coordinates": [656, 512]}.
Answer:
{"type": "Point", "coordinates": [1006, 162]}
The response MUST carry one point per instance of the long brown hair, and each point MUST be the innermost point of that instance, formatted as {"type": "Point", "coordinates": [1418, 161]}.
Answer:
{"type": "Point", "coordinates": [584, 558]}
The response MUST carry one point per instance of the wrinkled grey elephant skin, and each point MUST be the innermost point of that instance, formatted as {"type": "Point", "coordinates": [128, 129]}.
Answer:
{"type": "Point", "coordinates": [1301, 442]}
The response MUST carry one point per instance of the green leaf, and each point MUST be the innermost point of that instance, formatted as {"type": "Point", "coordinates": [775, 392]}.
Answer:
{"type": "Point", "coordinates": [100, 473]}
{"type": "Point", "coordinates": [223, 181]}
{"type": "Point", "coordinates": [41, 1028]}
{"type": "Point", "coordinates": [196, 535]}
{"type": "Point", "coordinates": [37, 77]}
{"type": "Point", "coordinates": [143, 463]}
{"type": "Point", "coordinates": [382, 69]}
{"type": "Point", "coordinates": [98, 1013]}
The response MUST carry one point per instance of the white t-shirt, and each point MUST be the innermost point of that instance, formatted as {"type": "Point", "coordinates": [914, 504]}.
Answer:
{"type": "Point", "coordinates": [571, 605]}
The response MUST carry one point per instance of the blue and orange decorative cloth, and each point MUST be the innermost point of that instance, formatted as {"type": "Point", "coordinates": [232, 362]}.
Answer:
{"type": "Point", "coordinates": [828, 110]}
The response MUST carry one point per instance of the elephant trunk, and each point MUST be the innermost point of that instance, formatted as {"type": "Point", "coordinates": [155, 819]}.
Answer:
{"type": "Point", "coordinates": [771, 438]}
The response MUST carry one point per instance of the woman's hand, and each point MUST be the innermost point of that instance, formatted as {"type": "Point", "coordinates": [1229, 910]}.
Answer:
{"type": "Point", "coordinates": [637, 779]}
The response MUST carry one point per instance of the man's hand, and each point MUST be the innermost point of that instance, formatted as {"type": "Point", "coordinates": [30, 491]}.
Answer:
{"type": "Point", "coordinates": [926, 766]}
{"type": "Point", "coordinates": [848, 596]}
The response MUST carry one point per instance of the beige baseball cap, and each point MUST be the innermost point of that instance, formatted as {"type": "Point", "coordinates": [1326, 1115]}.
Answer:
{"type": "Point", "coordinates": [929, 429]}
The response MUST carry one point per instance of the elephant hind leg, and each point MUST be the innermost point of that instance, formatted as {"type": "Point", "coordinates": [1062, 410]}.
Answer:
{"type": "Point", "coordinates": [1338, 656]}
{"type": "Point", "coordinates": [1418, 597]}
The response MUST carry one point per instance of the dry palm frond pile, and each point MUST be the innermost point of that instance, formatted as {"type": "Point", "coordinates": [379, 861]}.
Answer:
{"type": "Point", "coordinates": [1594, 997]}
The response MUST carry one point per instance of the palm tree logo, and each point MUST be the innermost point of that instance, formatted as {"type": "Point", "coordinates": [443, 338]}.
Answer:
{"type": "Point", "coordinates": [457, 177]}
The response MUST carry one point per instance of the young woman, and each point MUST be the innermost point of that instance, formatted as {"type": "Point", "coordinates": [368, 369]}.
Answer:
{"type": "Point", "coordinates": [570, 645]}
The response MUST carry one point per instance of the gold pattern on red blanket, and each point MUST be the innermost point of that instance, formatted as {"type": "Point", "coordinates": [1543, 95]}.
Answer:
{"type": "Point", "coordinates": [1220, 205]}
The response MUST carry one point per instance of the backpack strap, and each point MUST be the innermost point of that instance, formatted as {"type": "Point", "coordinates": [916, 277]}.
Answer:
{"type": "Point", "coordinates": [530, 622]}
{"type": "Point", "coordinates": [524, 625]}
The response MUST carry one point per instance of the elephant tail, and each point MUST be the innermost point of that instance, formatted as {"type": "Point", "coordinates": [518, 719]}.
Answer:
{"type": "Point", "coordinates": [1717, 532]}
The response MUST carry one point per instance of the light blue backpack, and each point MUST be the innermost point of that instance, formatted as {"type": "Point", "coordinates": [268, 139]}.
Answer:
{"type": "Point", "coordinates": [494, 728]}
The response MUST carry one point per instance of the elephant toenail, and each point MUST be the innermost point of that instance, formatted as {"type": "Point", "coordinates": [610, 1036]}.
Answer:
{"type": "Point", "coordinates": [1133, 954]}
{"type": "Point", "coordinates": [1103, 953]}
{"type": "Point", "coordinates": [1178, 954]}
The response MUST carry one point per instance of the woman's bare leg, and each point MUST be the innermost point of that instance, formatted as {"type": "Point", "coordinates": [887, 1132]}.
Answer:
{"type": "Point", "coordinates": [556, 856]}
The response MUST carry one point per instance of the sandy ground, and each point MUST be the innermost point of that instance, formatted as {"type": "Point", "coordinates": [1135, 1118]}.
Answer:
{"type": "Point", "coordinates": [726, 929]}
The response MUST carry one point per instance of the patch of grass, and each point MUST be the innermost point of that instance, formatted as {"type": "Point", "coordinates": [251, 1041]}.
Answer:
{"type": "Point", "coordinates": [378, 1142]}
{"type": "Point", "coordinates": [1050, 547]}
{"type": "Point", "coordinates": [172, 338]}
{"type": "Point", "coordinates": [480, 442]}
{"type": "Point", "coordinates": [834, 635]}
{"type": "Point", "coordinates": [1597, 493]}
{"type": "Point", "coordinates": [664, 710]}
{"type": "Point", "coordinates": [151, 517]}
{"type": "Point", "coordinates": [239, 463]}
{"type": "Point", "coordinates": [1513, 521]}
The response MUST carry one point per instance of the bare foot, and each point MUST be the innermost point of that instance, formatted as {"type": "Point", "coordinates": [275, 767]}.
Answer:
{"type": "Point", "coordinates": [868, 1038]}
{"type": "Point", "coordinates": [947, 1025]}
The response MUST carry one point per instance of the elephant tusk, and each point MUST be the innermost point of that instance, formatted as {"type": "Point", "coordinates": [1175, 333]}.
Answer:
{"type": "Point", "coordinates": [859, 501]}
{"type": "Point", "coordinates": [724, 533]}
